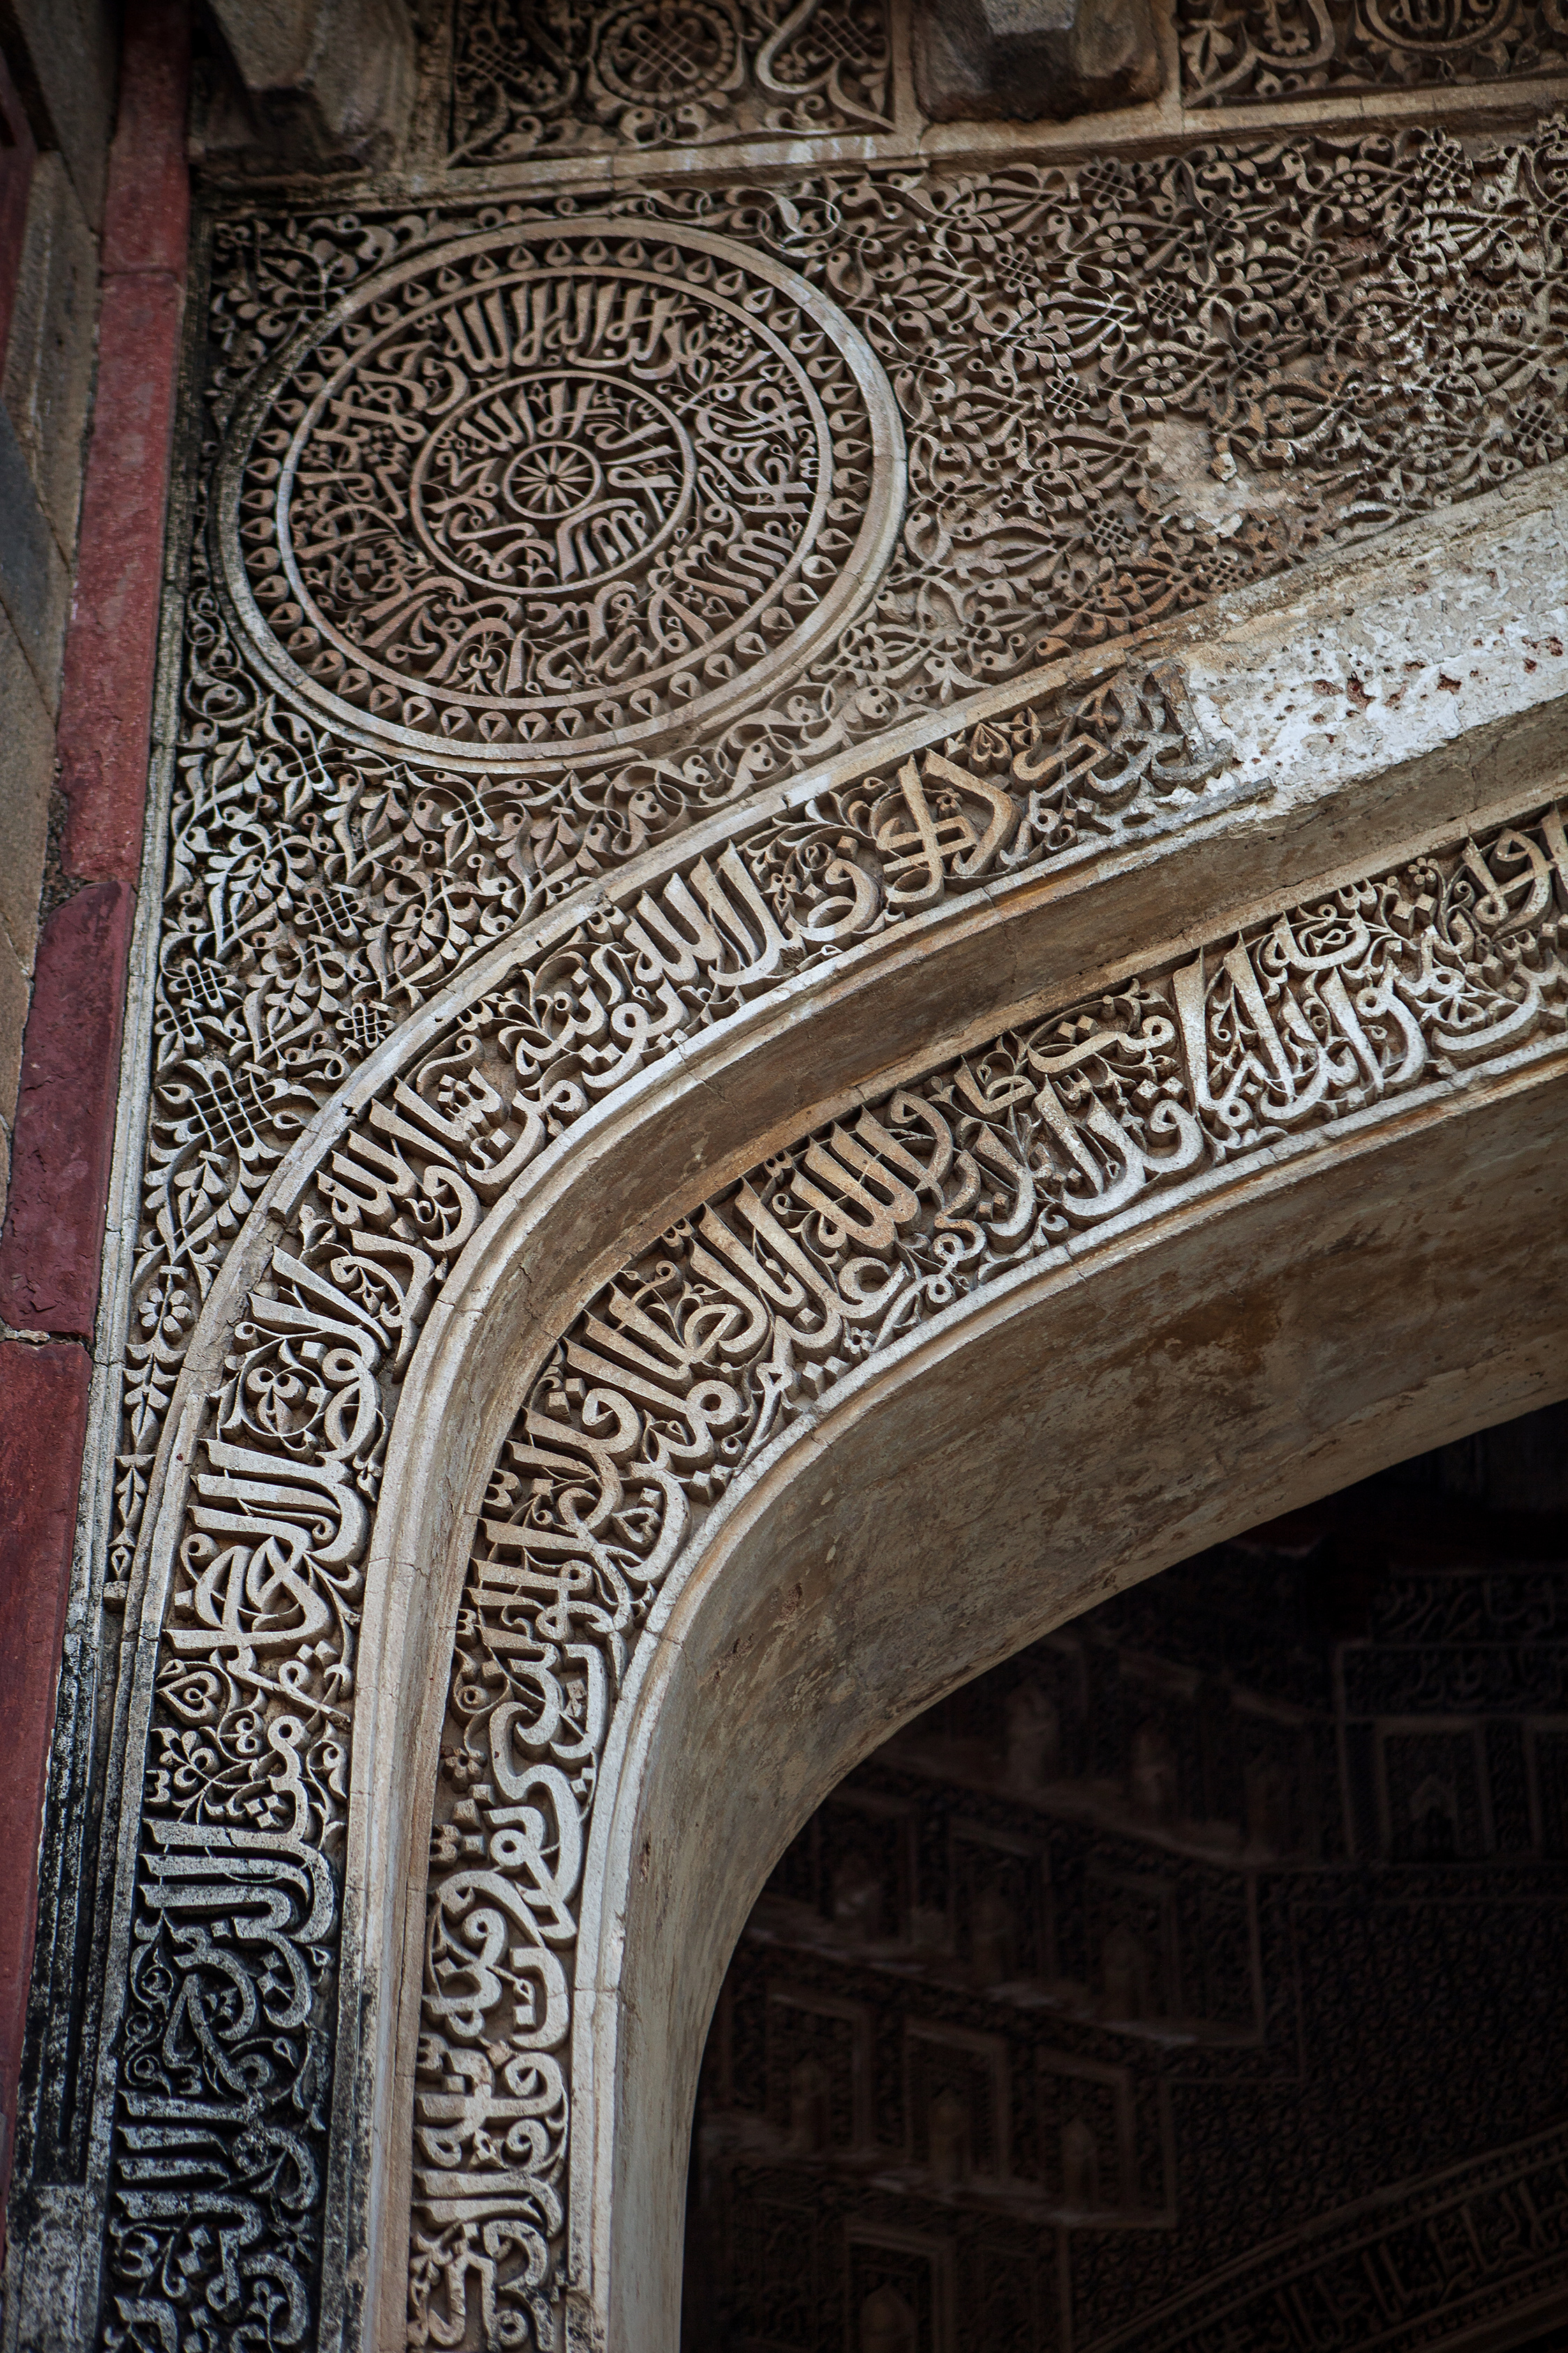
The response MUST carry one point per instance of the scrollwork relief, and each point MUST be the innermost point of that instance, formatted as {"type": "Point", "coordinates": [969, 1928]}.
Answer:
{"type": "Point", "coordinates": [549, 488]}
{"type": "Point", "coordinates": [754, 1308]}
{"type": "Point", "coordinates": [343, 909]}
{"type": "Point", "coordinates": [1233, 53]}
{"type": "Point", "coordinates": [645, 74]}
{"type": "Point", "coordinates": [254, 1689]}
{"type": "Point", "coordinates": [1122, 389]}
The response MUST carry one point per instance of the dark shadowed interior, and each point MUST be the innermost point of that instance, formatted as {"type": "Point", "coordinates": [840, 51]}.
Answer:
{"type": "Point", "coordinates": [1194, 1982]}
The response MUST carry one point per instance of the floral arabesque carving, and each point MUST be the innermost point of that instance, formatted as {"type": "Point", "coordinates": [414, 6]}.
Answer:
{"type": "Point", "coordinates": [565, 80]}
{"type": "Point", "coordinates": [758, 1304]}
{"type": "Point", "coordinates": [1124, 387]}
{"type": "Point", "coordinates": [1233, 52]}
{"type": "Point", "coordinates": [316, 897]}
{"type": "Point", "coordinates": [228, 2033]}
{"type": "Point", "coordinates": [1077, 358]}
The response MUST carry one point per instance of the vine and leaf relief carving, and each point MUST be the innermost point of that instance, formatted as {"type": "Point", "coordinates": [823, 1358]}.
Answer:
{"type": "Point", "coordinates": [227, 2036]}
{"type": "Point", "coordinates": [341, 904]}
{"type": "Point", "coordinates": [1123, 389]}
{"type": "Point", "coordinates": [1237, 52]}
{"type": "Point", "coordinates": [530, 80]}
{"type": "Point", "coordinates": [753, 1307]}
{"type": "Point", "coordinates": [566, 79]}
{"type": "Point", "coordinates": [750, 1311]}
{"type": "Point", "coordinates": [1124, 386]}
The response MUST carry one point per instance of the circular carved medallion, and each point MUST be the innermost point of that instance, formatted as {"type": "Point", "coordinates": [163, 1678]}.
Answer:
{"type": "Point", "coordinates": [560, 488]}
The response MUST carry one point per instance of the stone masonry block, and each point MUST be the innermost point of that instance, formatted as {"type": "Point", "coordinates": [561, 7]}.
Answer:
{"type": "Point", "coordinates": [62, 54]}
{"type": "Point", "coordinates": [106, 698]}
{"type": "Point", "coordinates": [65, 1116]}
{"type": "Point", "coordinates": [26, 773]}
{"type": "Point", "coordinates": [35, 586]}
{"type": "Point", "coordinates": [1022, 59]}
{"type": "Point", "coordinates": [329, 83]}
{"type": "Point", "coordinates": [17, 157]}
{"type": "Point", "coordinates": [13, 1023]}
{"type": "Point", "coordinates": [48, 385]}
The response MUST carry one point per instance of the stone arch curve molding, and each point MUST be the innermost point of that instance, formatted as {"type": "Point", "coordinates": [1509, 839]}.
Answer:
{"type": "Point", "coordinates": [982, 1344]}
{"type": "Point", "coordinates": [614, 1066]}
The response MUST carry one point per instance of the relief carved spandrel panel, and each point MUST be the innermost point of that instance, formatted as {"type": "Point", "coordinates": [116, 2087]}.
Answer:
{"type": "Point", "coordinates": [227, 2025]}
{"type": "Point", "coordinates": [1123, 389]}
{"type": "Point", "coordinates": [1076, 358]}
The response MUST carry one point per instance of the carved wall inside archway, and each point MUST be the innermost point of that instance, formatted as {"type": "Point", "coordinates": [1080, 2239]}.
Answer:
{"type": "Point", "coordinates": [815, 501]}
{"type": "Point", "coordinates": [1192, 1980]}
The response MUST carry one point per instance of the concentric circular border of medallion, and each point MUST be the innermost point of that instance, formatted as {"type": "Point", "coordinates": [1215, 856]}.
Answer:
{"type": "Point", "coordinates": [364, 314]}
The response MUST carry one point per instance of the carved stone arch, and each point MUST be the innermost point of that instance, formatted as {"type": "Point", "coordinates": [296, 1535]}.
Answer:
{"type": "Point", "coordinates": [1084, 1421]}
{"type": "Point", "coordinates": [434, 1235]}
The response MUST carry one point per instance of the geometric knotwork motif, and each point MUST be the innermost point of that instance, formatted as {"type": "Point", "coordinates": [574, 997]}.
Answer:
{"type": "Point", "coordinates": [1233, 50]}
{"type": "Point", "coordinates": [653, 73]}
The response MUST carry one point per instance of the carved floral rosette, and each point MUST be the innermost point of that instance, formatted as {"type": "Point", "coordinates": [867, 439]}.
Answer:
{"type": "Point", "coordinates": [559, 490]}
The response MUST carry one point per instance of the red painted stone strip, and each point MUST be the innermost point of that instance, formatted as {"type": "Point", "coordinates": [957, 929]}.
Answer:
{"type": "Point", "coordinates": [65, 1119]}
{"type": "Point", "coordinates": [106, 704]}
{"type": "Point", "coordinates": [43, 1414]}
{"type": "Point", "coordinates": [50, 1254]}
{"type": "Point", "coordinates": [147, 205]}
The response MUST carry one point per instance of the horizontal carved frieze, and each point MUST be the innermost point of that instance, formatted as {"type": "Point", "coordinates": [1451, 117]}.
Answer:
{"type": "Point", "coordinates": [1234, 53]}
{"type": "Point", "coordinates": [573, 79]}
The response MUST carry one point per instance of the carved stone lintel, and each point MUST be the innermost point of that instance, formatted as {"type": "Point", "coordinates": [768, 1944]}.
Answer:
{"type": "Point", "coordinates": [316, 86]}
{"type": "Point", "coordinates": [1018, 59]}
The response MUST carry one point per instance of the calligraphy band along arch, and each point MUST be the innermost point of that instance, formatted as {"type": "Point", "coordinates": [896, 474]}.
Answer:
{"type": "Point", "coordinates": [664, 1439]}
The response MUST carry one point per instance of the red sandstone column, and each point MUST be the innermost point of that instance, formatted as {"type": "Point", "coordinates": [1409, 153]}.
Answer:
{"type": "Point", "coordinates": [52, 1248]}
